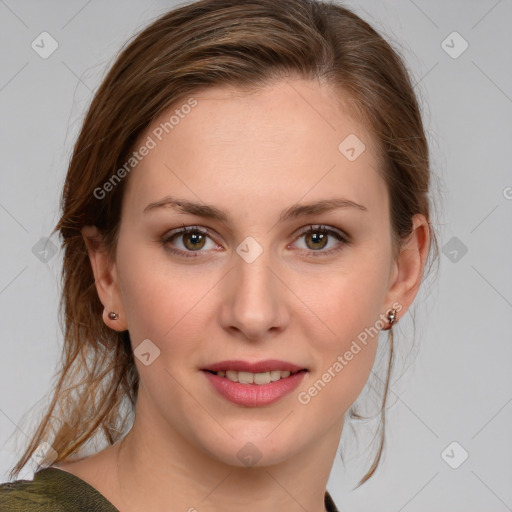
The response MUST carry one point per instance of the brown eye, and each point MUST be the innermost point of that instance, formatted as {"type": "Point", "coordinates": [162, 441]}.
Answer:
{"type": "Point", "coordinates": [188, 242]}
{"type": "Point", "coordinates": [316, 240]}
{"type": "Point", "coordinates": [193, 240]}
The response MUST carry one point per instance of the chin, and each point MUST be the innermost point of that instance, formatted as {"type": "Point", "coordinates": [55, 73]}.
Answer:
{"type": "Point", "coordinates": [253, 450]}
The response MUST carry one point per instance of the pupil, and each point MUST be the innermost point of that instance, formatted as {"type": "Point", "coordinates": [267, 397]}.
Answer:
{"type": "Point", "coordinates": [195, 239]}
{"type": "Point", "coordinates": [318, 238]}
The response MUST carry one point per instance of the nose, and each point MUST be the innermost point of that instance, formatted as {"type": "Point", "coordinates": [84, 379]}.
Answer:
{"type": "Point", "coordinates": [254, 303]}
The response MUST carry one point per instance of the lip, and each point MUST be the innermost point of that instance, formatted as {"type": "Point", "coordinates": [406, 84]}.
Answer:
{"type": "Point", "coordinates": [257, 367]}
{"type": "Point", "coordinates": [254, 395]}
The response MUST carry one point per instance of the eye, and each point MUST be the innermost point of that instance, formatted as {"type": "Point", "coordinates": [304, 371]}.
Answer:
{"type": "Point", "coordinates": [316, 238]}
{"type": "Point", "coordinates": [192, 239]}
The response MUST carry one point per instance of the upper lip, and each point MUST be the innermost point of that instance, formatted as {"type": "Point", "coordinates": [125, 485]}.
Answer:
{"type": "Point", "coordinates": [256, 367]}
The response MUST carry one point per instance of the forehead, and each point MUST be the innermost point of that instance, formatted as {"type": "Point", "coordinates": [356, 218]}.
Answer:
{"type": "Point", "coordinates": [281, 142]}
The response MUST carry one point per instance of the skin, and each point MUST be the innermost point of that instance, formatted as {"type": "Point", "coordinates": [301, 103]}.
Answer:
{"type": "Point", "coordinates": [251, 155]}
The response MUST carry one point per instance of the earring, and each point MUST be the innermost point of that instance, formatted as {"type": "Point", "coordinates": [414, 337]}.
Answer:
{"type": "Point", "coordinates": [392, 318]}
{"type": "Point", "coordinates": [113, 315]}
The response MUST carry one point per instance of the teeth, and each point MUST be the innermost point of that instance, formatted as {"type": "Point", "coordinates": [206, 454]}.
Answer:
{"type": "Point", "coordinates": [275, 375]}
{"type": "Point", "coordinates": [231, 375]}
{"type": "Point", "coordinates": [254, 378]}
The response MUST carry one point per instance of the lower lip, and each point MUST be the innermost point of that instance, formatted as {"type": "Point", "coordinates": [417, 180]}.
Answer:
{"type": "Point", "coordinates": [255, 395]}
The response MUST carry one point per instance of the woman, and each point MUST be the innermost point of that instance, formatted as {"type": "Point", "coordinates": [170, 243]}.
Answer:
{"type": "Point", "coordinates": [246, 208]}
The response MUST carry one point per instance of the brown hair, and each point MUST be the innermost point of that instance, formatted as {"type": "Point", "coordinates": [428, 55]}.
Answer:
{"type": "Point", "coordinates": [210, 42]}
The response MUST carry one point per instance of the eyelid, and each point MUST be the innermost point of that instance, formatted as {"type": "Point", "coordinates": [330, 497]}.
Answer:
{"type": "Point", "coordinates": [322, 227]}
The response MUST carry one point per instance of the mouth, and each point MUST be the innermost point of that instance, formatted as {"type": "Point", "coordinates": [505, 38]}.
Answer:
{"type": "Point", "coordinates": [254, 384]}
{"type": "Point", "coordinates": [260, 373]}
{"type": "Point", "coordinates": [260, 378]}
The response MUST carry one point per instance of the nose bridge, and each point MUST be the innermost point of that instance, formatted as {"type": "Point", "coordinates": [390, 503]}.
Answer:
{"type": "Point", "coordinates": [255, 302]}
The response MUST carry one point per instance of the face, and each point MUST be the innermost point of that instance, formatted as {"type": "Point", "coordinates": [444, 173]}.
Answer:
{"type": "Point", "coordinates": [256, 277]}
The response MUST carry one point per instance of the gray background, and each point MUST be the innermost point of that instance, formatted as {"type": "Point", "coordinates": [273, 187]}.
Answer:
{"type": "Point", "coordinates": [455, 385]}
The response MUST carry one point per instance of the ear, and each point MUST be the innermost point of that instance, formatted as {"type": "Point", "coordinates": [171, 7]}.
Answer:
{"type": "Point", "coordinates": [407, 271]}
{"type": "Point", "coordinates": [105, 278]}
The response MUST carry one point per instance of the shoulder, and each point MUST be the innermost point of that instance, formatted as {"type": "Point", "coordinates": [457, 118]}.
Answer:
{"type": "Point", "coordinates": [52, 490]}
{"type": "Point", "coordinates": [31, 495]}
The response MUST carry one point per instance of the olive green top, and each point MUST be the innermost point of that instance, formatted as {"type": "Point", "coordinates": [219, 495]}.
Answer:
{"type": "Point", "coordinates": [56, 490]}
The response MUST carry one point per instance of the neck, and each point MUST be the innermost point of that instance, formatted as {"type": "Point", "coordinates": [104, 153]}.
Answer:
{"type": "Point", "coordinates": [163, 470]}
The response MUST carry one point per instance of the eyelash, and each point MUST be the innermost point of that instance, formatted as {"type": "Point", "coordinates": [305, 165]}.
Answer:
{"type": "Point", "coordinates": [310, 253]}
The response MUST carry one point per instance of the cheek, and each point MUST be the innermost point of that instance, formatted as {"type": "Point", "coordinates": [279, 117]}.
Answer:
{"type": "Point", "coordinates": [348, 298]}
{"type": "Point", "coordinates": [147, 294]}
{"type": "Point", "coordinates": [350, 310]}
{"type": "Point", "coordinates": [345, 355]}
{"type": "Point", "coordinates": [162, 302]}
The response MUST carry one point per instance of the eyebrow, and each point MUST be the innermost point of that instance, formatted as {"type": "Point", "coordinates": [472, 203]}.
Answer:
{"type": "Point", "coordinates": [295, 211]}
